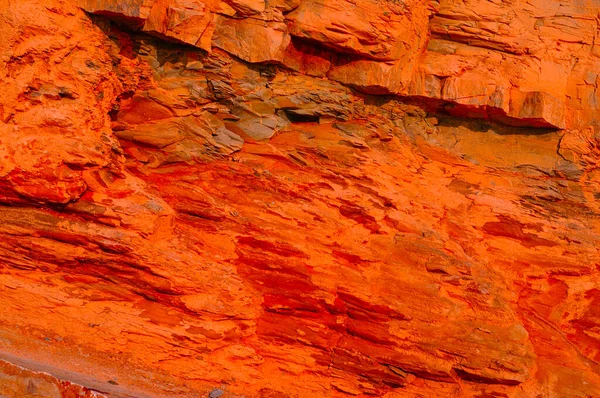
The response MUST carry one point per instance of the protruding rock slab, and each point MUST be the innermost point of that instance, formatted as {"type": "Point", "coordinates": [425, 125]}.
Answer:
{"type": "Point", "coordinates": [136, 9]}
{"type": "Point", "coordinates": [252, 40]}
{"type": "Point", "coordinates": [189, 21]}
{"type": "Point", "coordinates": [381, 30]}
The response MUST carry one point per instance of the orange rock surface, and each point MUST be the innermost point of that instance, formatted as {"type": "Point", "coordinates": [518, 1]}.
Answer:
{"type": "Point", "coordinates": [299, 198]}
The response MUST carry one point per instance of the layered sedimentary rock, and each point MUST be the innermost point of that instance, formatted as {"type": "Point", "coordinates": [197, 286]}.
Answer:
{"type": "Point", "coordinates": [299, 198]}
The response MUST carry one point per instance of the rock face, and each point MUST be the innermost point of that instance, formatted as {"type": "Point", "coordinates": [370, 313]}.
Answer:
{"type": "Point", "coordinates": [293, 198]}
{"type": "Point", "coordinates": [19, 381]}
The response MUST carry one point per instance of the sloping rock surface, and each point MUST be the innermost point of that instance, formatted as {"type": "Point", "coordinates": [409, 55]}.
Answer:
{"type": "Point", "coordinates": [294, 198]}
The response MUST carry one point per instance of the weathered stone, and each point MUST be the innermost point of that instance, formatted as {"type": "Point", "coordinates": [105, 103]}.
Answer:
{"type": "Point", "coordinates": [189, 21]}
{"type": "Point", "coordinates": [406, 217]}
{"type": "Point", "coordinates": [136, 9]}
{"type": "Point", "coordinates": [382, 30]}
{"type": "Point", "coordinates": [247, 7]}
{"type": "Point", "coordinates": [252, 40]}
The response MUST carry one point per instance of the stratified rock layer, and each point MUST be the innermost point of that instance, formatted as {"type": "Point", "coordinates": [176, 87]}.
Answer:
{"type": "Point", "coordinates": [299, 198]}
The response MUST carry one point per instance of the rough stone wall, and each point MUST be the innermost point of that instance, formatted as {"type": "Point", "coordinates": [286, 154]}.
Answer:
{"type": "Point", "coordinates": [299, 198]}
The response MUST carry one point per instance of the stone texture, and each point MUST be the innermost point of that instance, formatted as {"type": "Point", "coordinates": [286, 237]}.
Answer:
{"type": "Point", "coordinates": [382, 30]}
{"type": "Point", "coordinates": [247, 7]}
{"type": "Point", "coordinates": [135, 9]}
{"type": "Point", "coordinates": [273, 199]}
{"type": "Point", "coordinates": [189, 21]}
{"type": "Point", "coordinates": [17, 381]}
{"type": "Point", "coordinates": [251, 39]}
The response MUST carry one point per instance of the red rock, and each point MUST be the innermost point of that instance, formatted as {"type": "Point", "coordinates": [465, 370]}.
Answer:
{"type": "Point", "coordinates": [189, 21]}
{"type": "Point", "coordinates": [375, 77]}
{"type": "Point", "coordinates": [247, 7]}
{"type": "Point", "coordinates": [307, 59]}
{"type": "Point", "coordinates": [192, 201]}
{"type": "Point", "coordinates": [251, 39]}
{"type": "Point", "coordinates": [136, 9]}
{"type": "Point", "coordinates": [371, 29]}
{"type": "Point", "coordinates": [22, 382]}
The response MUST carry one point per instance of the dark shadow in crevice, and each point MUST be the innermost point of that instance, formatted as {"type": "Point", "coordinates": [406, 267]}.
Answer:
{"type": "Point", "coordinates": [298, 117]}
{"type": "Point", "coordinates": [476, 118]}
{"type": "Point", "coordinates": [485, 125]}
{"type": "Point", "coordinates": [126, 34]}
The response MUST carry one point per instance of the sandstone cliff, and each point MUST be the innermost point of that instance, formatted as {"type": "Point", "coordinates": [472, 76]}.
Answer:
{"type": "Point", "coordinates": [299, 198]}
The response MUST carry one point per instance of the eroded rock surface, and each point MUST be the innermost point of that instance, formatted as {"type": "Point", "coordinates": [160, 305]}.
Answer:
{"type": "Point", "coordinates": [299, 198]}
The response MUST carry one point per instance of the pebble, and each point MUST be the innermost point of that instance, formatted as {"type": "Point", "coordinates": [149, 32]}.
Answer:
{"type": "Point", "coordinates": [216, 393]}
